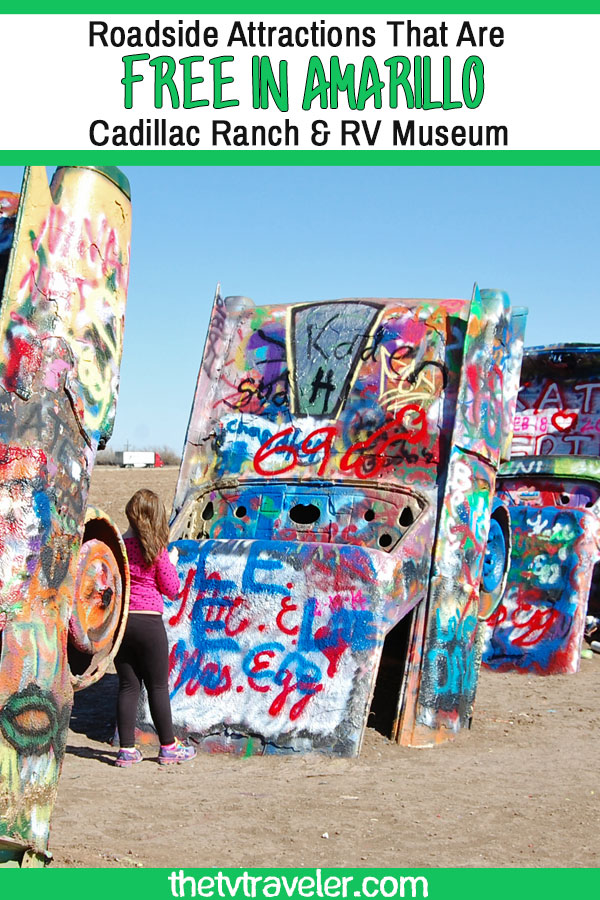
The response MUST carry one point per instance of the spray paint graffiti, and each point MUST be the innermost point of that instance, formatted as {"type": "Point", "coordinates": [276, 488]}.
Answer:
{"type": "Point", "coordinates": [64, 262]}
{"type": "Point", "coordinates": [281, 654]}
{"type": "Point", "coordinates": [551, 488]}
{"type": "Point", "coordinates": [337, 480]}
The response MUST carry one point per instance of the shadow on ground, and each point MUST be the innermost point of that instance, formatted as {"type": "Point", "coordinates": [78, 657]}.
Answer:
{"type": "Point", "coordinates": [94, 710]}
{"type": "Point", "coordinates": [108, 757]}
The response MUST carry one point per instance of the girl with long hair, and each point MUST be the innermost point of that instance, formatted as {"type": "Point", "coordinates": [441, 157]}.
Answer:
{"type": "Point", "coordinates": [144, 653]}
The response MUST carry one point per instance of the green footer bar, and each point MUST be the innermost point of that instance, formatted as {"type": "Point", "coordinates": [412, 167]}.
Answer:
{"type": "Point", "coordinates": [436, 884]}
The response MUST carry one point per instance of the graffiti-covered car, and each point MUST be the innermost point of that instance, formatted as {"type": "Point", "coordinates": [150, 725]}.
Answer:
{"type": "Point", "coordinates": [64, 265]}
{"type": "Point", "coordinates": [551, 487]}
{"type": "Point", "coordinates": [336, 487]}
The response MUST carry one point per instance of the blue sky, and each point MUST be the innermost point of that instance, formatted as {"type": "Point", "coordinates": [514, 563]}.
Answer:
{"type": "Point", "coordinates": [304, 234]}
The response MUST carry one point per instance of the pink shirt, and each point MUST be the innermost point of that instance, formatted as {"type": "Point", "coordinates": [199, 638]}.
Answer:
{"type": "Point", "coordinates": [149, 583]}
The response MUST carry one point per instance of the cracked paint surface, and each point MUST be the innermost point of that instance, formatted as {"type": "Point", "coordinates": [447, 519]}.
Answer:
{"type": "Point", "coordinates": [337, 480]}
{"type": "Point", "coordinates": [64, 264]}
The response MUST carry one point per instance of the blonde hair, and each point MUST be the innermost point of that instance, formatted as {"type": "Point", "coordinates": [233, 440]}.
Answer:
{"type": "Point", "coordinates": [148, 518]}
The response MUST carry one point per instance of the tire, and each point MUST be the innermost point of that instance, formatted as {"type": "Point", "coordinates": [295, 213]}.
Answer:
{"type": "Point", "coordinates": [496, 563]}
{"type": "Point", "coordinates": [100, 602]}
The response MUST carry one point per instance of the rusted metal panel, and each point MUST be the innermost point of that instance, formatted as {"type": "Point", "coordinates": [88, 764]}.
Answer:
{"type": "Point", "coordinates": [551, 488]}
{"type": "Point", "coordinates": [313, 506]}
{"type": "Point", "coordinates": [64, 253]}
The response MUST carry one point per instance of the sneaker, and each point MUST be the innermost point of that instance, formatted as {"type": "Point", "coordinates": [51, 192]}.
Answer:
{"type": "Point", "coordinates": [128, 757]}
{"type": "Point", "coordinates": [176, 753]}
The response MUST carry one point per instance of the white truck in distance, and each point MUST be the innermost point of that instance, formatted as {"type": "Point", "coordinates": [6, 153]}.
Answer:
{"type": "Point", "coordinates": [138, 459]}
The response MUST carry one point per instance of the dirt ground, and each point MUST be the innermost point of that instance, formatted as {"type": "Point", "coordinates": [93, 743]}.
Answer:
{"type": "Point", "coordinates": [520, 789]}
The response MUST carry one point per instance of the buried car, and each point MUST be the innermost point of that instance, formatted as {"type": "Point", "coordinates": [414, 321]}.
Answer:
{"type": "Point", "coordinates": [551, 488]}
{"type": "Point", "coordinates": [336, 488]}
{"type": "Point", "coordinates": [64, 264]}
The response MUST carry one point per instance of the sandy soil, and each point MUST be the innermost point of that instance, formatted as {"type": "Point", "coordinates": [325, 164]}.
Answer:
{"type": "Point", "coordinates": [520, 789]}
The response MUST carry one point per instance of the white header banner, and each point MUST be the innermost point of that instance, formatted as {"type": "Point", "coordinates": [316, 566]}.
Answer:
{"type": "Point", "coordinates": [380, 82]}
